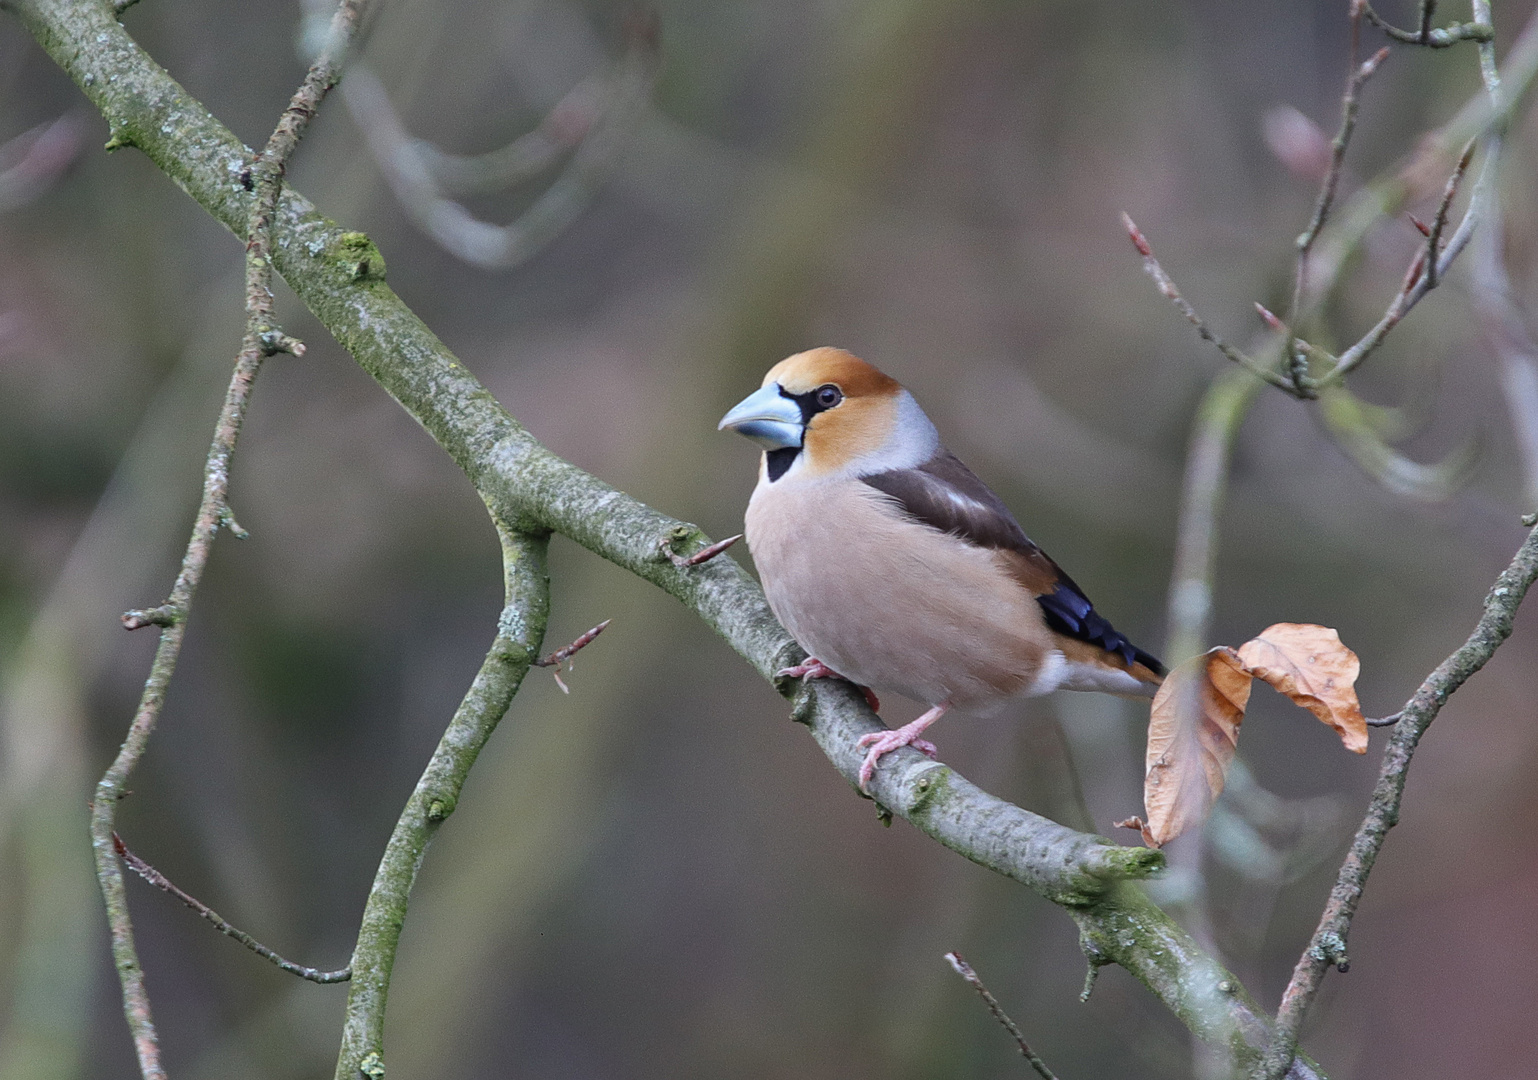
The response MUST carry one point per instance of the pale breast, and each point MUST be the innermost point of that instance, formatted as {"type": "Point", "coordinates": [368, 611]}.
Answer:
{"type": "Point", "coordinates": [891, 603]}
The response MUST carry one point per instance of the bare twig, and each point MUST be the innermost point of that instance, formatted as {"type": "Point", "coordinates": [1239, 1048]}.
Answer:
{"type": "Point", "coordinates": [213, 514]}
{"type": "Point", "coordinates": [1172, 293]}
{"type": "Point", "coordinates": [566, 652]}
{"type": "Point", "coordinates": [1477, 124]}
{"type": "Point", "coordinates": [1433, 37]}
{"type": "Point", "coordinates": [120, 6]}
{"type": "Point", "coordinates": [1385, 721]}
{"type": "Point", "coordinates": [1431, 266]}
{"type": "Point", "coordinates": [1328, 945]}
{"type": "Point", "coordinates": [964, 969]}
{"type": "Point", "coordinates": [1356, 77]}
{"type": "Point", "coordinates": [703, 555]}
{"type": "Point", "coordinates": [160, 881]}
{"type": "Point", "coordinates": [1438, 223]}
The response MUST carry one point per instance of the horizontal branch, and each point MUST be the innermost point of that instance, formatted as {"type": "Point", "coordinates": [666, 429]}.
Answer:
{"type": "Point", "coordinates": [340, 276]}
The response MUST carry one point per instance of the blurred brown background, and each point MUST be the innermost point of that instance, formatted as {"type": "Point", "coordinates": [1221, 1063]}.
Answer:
{"type": "Point", "coordinates": [658, 875]}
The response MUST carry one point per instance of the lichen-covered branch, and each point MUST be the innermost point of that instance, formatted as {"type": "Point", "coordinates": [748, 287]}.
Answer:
{"type": "Point", "coordinates": [1328, 945]}
{"type": "Point", "coordinates": [340, 277]}
{"type": "Point", "coordinates": [520, 630]}
{"type": "Point", "coordinates": [261, 340]}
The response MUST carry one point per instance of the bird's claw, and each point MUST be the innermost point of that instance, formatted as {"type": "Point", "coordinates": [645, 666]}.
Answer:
{"type": "Point", "coordinates": [813, 668]}
{"type": "Point", "coordinates": [810, 668]}
{"type": "Point", "coordinates": [882, 743]}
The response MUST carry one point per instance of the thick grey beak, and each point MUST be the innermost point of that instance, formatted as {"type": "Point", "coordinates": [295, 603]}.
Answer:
{"type": "Point", "coordinates": [767, 417]}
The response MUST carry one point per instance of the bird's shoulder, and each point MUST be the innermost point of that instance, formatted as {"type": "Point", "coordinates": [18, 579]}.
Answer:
{"type": "Point", "coordinates": [945, 495]}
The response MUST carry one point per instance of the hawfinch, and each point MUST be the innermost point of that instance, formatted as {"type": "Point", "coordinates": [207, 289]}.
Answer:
{"type": "Point", "coordinates": [898, 569]}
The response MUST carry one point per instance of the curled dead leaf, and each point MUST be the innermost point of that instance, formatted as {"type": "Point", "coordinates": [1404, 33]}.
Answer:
{"type": "Point", "coordinates": [1310, 665]}
{"type": "Point", "coordinates": [1193, 728]}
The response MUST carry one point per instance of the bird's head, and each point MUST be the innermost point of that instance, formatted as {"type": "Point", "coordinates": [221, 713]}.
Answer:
{"type": "Point", "coordinates": [826, 412]}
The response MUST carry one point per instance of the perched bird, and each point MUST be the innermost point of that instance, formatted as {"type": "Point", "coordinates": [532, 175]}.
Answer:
{"type": "Point", "coordinates": [898, 569]}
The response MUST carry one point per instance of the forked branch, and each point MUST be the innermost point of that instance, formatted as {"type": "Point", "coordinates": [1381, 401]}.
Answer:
{"type": "Point", "coordinates": [262, 338]}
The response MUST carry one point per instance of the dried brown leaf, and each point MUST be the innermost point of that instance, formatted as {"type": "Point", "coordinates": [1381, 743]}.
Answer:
{"type": "Point", "coordinates": [1192, 731]}
{"type": "Point", "coordinates": [1310, 665]}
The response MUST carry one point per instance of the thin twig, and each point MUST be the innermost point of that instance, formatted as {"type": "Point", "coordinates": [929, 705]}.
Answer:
{"type": "Point", "coordinates": [1166, 286]}
{"type": "Point", "coordinates": [160, 881]}
{"type": "Point", "coordinates": [213, 514]}
{"type": "Point", "coordinates": [566, 652]}
{"type": "Point", "coordinates": [964, 969]}
{"type": "Point", "coordinates": [1421, 277]}
{"type": "Point", "coordinates": [703, 555]}
{"type": "Point", "coordinates": [1356, 77]}
{"type": "Point", "coordinates": [1432, 37]}
{"type": "Point", "coordinates": [1328, 945]}
{"type": "Point", "coordinates": [1438, 223]}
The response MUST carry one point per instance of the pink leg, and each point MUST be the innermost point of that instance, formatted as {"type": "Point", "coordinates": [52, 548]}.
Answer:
{"type": "Point", "coordinates": [882, 743]}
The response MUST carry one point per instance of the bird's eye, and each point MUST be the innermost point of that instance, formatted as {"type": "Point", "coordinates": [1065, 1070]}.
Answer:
{"type": "Point", "coordinates": [829, 396]}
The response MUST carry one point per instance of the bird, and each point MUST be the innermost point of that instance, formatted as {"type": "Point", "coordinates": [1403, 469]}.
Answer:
{"type": "Point", "coordinates": [897, 569]}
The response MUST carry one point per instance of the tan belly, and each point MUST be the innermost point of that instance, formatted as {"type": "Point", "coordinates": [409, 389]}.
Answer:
{"type": "Point", "coordinates": [890, 603]}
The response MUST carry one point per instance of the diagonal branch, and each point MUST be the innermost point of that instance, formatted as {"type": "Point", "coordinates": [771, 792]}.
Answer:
{"type": "Point", "coordinates": [160, 881]}
{"type": "Point", "coordinates": [1328, 945]}
{"type": "Point", "coordinates": [964, 969]}
{"type": "Point", "coordinates": [340, 277]}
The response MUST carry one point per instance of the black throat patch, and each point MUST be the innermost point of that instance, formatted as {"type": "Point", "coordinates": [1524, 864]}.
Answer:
{"type": "Point", "coordinates": [776, 462]}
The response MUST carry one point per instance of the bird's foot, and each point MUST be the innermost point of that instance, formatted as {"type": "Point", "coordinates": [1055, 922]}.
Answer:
{"type": "Point", "coordinates": [882, 743]}
{"type": "Point", "coordinates": [813, 668]}
{"type": "Point", "coordinates": [810, 668]}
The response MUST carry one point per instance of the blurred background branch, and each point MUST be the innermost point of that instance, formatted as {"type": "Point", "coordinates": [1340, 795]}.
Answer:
{"type": "Point", "coordinates": [874, 177]}
{"type": "Point", "coordinates": [588, 127]}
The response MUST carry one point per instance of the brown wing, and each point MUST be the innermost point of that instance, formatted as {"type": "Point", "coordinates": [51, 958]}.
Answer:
{"type": "Point", "coordinates": [946, 495]}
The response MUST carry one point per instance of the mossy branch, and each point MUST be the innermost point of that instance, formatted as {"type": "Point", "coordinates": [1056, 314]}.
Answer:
{"type": "Point", "coordinates": [520, 631]}
{"type": "Point", "coordinates": [340, 277]}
